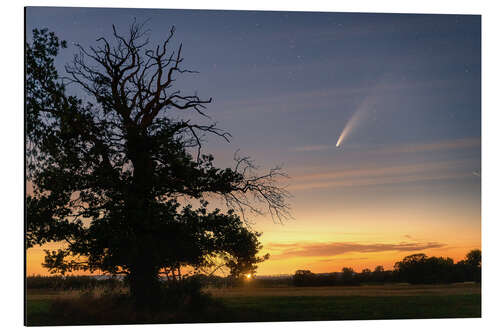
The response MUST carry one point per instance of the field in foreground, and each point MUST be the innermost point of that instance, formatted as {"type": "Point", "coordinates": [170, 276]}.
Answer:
{"type": "Point", "coordinates": [299, 308]}
{"type": "Point", "coordinates": [313, 303]}
{"type": "Point", "coordinates": [402, 289]}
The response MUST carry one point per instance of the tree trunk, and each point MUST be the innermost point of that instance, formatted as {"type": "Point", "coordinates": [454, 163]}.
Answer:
{"type": "Point", "coordinates": [145, 287]}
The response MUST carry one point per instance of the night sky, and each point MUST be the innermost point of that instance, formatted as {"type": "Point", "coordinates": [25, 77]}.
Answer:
{"type": "Point", "coordinates": [406, 178]}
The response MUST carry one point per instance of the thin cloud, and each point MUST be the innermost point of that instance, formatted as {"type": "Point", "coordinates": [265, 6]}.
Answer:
{"type": "Point", "coordinates": [392, 174]}
{"type": "Point", "coordinates": [302, 101]}
{"type": "Point", "coordinates": [311, 148]}
{"type": "Point", "coordinates": [337, 248]}
{"type": "Point", "coordinates": [283, 245]}
{"type": "Point", "coordinates": [343, 259]}
{"type": "Point", "coordinates": [382, 171]}
{"type": "Point", "coordinates": [378, 181]}
{"type": "Point", "coordinates": [382, 175]}
{"type": "Point", "coordinates": [432, 146]}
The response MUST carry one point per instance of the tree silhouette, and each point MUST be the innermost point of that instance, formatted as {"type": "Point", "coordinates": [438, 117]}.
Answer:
{"type": "Point", "coordinates": [348, 275]}
{"type": "Point", "coordinates": [378, 274]}
{"type": "Point", "coordinates": [303, 277]}
{"type": "Point", "coordinates": [473, 261]}
{"type": "Point", "coordinates": [418, 268]}
{"type": "Point", "coordinates": [473, 258]}
{"type": "Point", "coordinates": [122, 180]}
{"type": "Point", "coordinates": [365, 275]}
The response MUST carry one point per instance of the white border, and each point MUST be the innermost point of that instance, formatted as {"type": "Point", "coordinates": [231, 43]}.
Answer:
{"type": "Point", "coordinates": [12, 159]}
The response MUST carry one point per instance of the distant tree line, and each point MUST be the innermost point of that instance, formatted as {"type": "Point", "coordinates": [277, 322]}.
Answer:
{"type": "Point", "coordinates": [414, 269]}
{"type": "Point", "coordinates": [80, 282]}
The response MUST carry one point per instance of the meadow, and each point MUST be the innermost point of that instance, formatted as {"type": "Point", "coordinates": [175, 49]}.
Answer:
{"type": "Point", "coordinates": [279, 303]}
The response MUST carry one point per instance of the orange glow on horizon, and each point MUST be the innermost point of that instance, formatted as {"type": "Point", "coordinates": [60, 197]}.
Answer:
{"type": "Point", "coordinates": [317, 264]}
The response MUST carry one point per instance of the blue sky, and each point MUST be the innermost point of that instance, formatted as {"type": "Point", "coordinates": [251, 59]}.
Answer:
{"type": "Point", "coordinates": [286, 83]}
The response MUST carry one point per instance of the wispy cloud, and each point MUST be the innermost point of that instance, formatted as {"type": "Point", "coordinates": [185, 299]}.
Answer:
{"type": "Point", "coordinates": [381, 171]}
{"type": "Point", "coordinates": [336, 248]}
{"type": "Point", "coordinates": [382, 175]}
{"type": "Point", "coordinates": [320, 98]}
{"type": "Point", "coordinates": [343, 259]}
{"type": "Point", "coordinates": [378, 181]}
{"type": "Point", "coordinates": [445, 145]}
{"type": "Point", "coordinates": [432, 146]}
{"type": "Point", "coordinates": [311, 148]}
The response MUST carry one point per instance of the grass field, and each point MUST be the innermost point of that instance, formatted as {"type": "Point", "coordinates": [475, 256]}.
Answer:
{"type": "Point", "coordinates": [309, 303]}
{"type": "Point", "coordinates": [364, 290]}
{"type": "Point", "coordinates": [299, 308]}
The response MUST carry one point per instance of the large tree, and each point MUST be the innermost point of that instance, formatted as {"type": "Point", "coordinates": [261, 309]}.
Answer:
{"type": "Point", "coordinates": [121, 179]}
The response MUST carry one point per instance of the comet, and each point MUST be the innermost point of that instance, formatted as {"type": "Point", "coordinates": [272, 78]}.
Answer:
{"type": "Point", "coordinates": [354, 121]}
{"type": "Point", "coordinates": [361, 113]}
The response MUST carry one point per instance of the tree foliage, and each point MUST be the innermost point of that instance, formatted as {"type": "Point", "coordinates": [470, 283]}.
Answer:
{"type": "Point", "coordinates": [122, 179]}
{"type": "Point", "coordinates": [473, 258]}
{"type": "Point", "coordinates": [415, 269]}
{"type": "Point", "coordinates": [418, 268]}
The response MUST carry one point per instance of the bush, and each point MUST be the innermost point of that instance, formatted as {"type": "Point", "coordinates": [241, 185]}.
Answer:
{"type": "Point", "coordinates": [181, 301]}
{"type": "Point", "coordinates": [60, 282]}
{"type": "Point", "coordinates": [186, 293]}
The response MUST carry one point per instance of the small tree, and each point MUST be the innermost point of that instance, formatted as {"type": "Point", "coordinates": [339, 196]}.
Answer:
{"type": "Point", "coordinates": [473, 260]}
{"type": "Point", "coordinates": [378, 274]}
{"type": "Point", "coordinates": [365, 275]}
{"type": "Point", "coordinates": [303, 277]}
{"type": "Point", "coordinates": [122, 180]}
{"type": "Point", "coordinates": [348, 276]}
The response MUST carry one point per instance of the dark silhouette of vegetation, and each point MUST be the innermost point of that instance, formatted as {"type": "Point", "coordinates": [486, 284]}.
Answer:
{"type": "Point", "coordinates": [71, 282]}
{"type": "Point", "coordinates": [471, 266]}
{"type": "Point", "coordinates": [419, 268]}
{"type": "Point", "coordinates": [182, 305]}
{"type": "Point", "coordinates": [122, 179]}
{"type": "Point", "coordinates": [414, 269]}
{"type": "Point", "coordinates": [303, 278]}
{"type": "Point", "coordinates": [424, 272]}
{"type": "Point", "coordinates": [379, 275]}
{"type": "Point", "coordinates": [348, 276]}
